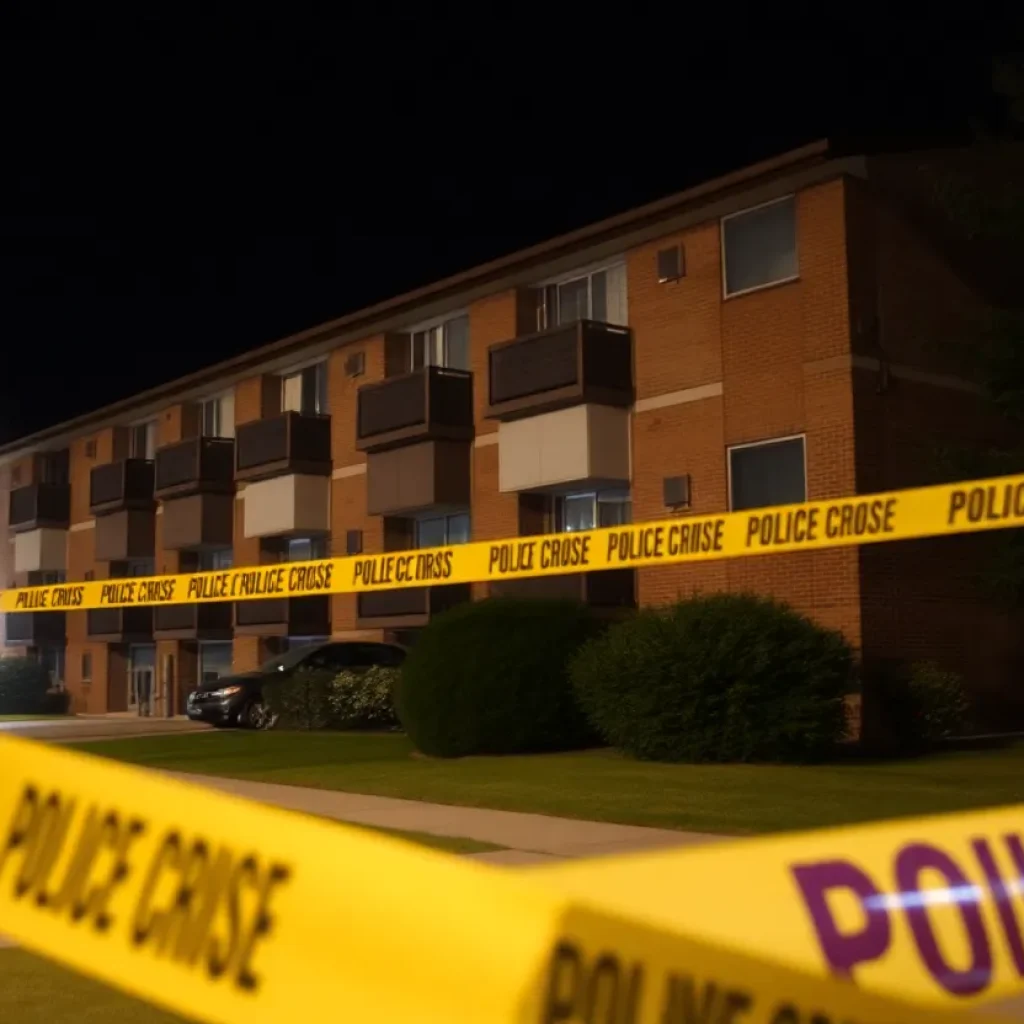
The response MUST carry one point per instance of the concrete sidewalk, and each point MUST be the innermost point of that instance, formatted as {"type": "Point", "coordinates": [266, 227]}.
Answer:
{"type": "Point", "coordinates": [524, 838]}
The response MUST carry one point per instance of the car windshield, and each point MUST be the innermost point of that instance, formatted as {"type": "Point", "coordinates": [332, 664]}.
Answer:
{"type": "Point", "coordinates": [288, 660]}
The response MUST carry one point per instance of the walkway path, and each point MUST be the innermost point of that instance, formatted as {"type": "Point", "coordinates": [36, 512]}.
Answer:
{"type": "Point", "coordinates": [525, 838]}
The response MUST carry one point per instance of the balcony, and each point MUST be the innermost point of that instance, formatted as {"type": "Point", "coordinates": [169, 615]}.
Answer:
{"type": "Point", "coordinates": [42, 550]}
{"type": "Point", "coordinates": [584, 362]}
{"type": "Point", "coordinates": [34, 629]}
{"type": "Point", "coordinates": [287, 444]}
{"type": "Point", "coordinates": [118, 486]}
{"type": "Point", "coordinates": [430, 404]}
{"type": "Point", "coordinates": [285, 616]}
{"type": "Point", "coordinates": [408, 607]}
{"type": "Point", "coordinates": [40, 506]}
{"type": "Point", "coordinates": [120, 625]}
{"type": "Point", "coordinates": [608, 590]}
{"type": "Point", "coordinates": [211, 621]}
{"type": "Point", "coordinates": [200, 465]}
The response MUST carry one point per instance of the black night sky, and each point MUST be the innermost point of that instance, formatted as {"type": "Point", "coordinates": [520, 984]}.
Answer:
{"type": "Point", "coordinates": [176, 193]}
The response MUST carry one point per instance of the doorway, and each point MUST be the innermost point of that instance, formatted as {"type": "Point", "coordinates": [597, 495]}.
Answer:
{"type": "Point", "coordinates": [142, 679]}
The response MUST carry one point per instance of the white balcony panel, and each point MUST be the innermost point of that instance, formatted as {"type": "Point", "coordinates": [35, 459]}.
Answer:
{"type": "Point", "coordinates": [282, 505]}
{"type": "Point", "coordinates": [42, 550]}
{"type": "Point", "coordinates": [584, 444]}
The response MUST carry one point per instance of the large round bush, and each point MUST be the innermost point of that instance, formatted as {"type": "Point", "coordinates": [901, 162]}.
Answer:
{"type": "Point", "coordinates": [717, 678]}
{"type": "Point", "coordinates": [491, 677]}
{"type": "Point", "coordinates": [24, 687]}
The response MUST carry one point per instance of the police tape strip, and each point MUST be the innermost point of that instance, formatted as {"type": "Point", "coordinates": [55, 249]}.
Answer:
{"type": "Point", "coordinates": [865, 519]}
{"type": "Point", "coordinates": [235, 913]}
{"type": "Point", "coordinates": [927, 909]}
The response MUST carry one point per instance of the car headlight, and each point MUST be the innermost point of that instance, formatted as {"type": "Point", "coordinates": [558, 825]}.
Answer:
{"type": "Point", "coordinates": [226, 691]}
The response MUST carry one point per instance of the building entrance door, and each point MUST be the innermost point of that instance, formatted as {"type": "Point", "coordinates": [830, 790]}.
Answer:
{"type": "Point", "coordinates": [141, 696]}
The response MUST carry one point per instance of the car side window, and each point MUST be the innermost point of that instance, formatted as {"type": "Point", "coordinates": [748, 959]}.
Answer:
{"type": "Point", "coordinates": [390, 657]}
{"type": "Point", "coordinates": [334, 656]}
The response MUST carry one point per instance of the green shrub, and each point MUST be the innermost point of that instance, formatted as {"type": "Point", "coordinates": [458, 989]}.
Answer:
{"type": "Point", "coordinates": [914, 706]}
{"type": "Point", "coordinates": [717, 678]}
{"type": "Point", "coordinates": [302, 699]}
{"type": "Point", "coordinates": [319, 699]}
{"type": "Point", "coordinates": [58, 702]}
{"type": "Point", "coordinates": [23, 687]}
{"type": "Point", "coordinates": [364, 700]}
{"type": "Point", "coordinates": [942, 707]}
{"type": "Point", "coordinates": [490, 677]}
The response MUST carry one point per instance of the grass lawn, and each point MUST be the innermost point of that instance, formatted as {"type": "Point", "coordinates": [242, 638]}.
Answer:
{"type": "Point", "coordinates": [35, 991]}
{"type": "Point", "coordinates": [598, 785]}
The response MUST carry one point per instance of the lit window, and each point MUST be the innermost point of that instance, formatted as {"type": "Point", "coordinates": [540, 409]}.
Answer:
{"type": "Point", "coordinates": [305, 391]}
{"type": "Point", "coordinates": [305, 549]}
{"type": "Point", "coordinates": [599, 295]}
{"type": "Point", "coordinates": [445, 344]}
{"type": "Point", "coordinates": [218, 416]}
{"type": "Point", "coordinates": [592, 509]}
{"type": "Point", "coordinates": [769, 473]}
{"type": "Point", "coordinates": [216, 559]}
{"type": "Point", "coordinates": [440, 531]}
{"type": "Point", "coordinates": [760, 246]}
{"type": "Point", "coordinates": [142, 441]}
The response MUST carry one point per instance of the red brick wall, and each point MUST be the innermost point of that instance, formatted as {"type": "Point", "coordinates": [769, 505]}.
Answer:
{"type": "Point", "coordinates": [924, 600]}
{"type": "Point", "coordinates": [773, 352]}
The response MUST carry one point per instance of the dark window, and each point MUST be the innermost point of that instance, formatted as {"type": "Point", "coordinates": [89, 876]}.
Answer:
{"type": "Point", "coordinates": [333, 656]}
{"type": "Point", "coordinates": [766, 474]}
{"type": "Point", "coordinates": [760, 246]}
{"type": "Point", "coordinates": [86, 667]}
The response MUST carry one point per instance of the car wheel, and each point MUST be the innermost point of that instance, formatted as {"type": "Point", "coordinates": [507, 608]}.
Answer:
{"type": "Point", "coordinates": [256, 716]}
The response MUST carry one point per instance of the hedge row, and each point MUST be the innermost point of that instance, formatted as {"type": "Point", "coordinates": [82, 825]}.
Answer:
{"type": "Point", "coordinates": [716, 678]}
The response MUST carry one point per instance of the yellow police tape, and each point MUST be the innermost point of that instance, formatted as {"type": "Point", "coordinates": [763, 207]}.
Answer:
{"type": "Point", "coordinates": [930, 909]}
{"type": "Point", "coordinates": [235, 913]}
{"type": "Point", "coordinates": [864, 519]}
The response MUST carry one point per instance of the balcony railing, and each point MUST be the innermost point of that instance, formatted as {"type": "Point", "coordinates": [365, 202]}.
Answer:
{"type": "Point", "coordinates": [125, 484]}
{"type": "Point", "coordinates": [409, 606]}
{"type": "Point", "coordinates": [605, 589]}
{"type": "Point", "coordinates": [40, 505]}
{"type": "Point", "coordinates": [188, 621]}
{"type": "Point", "coordinates": [577, 363]}
{"type": "Point", "coordinates": [285, 616]}
{"type": "Point", "coordinates": [288, 443]}
{"type": "Point", "coordinates": [433, 403]}
{"type": "Point", "coordinates": [34, 629]}
{"type": "Point", "coordinates": [120, 625]}
{"type": "Point", "coordinates": [199, 464]}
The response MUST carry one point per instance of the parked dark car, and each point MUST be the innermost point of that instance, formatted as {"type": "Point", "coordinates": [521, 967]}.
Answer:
{"type": "Point", "coordinates": [237, 700]}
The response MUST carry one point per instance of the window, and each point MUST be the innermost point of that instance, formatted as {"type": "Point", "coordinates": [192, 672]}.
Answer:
{"type": "Point", "coordinates": [305, 549]}
{"type": "Point", "coordinates": [305, 391]}
{"type": "Point", "coordinates": [142, 440]}
{"type": "Point", "coordinates": [218, 416]}
{"type": "Point", "coordinates": [599, 295]}
{"type": "Point", "coordinates": [439, 531]}
{"type": "Point", "coordinates": [445, 344]}
{"type": "Point", "coordinates": [769, 473]}
{"type": "Point", "coordinates": [140, 567]}
{"type": "Point", "coordinates": [592, 509]}
{"type": "Point", "coordinates": [760, 246]}
{"type": "Point", "coordinates": [87, 667]}
{"type": "Point", "coordinates": [47, 577]}
{"type": "Point", "coordinates": [53, 468]}
{"type": "Point", "coordinates": [52, 659]}
{"type": "Point", "coordinates": [215, 560]}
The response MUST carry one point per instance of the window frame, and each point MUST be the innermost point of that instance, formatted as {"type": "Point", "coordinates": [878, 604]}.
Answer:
{"type": "Point", "coordinates": [150, 423]}
{"type": "Point", "coordinates": [322, 389]}
{"type": "Point", "coordinates": [432, 325]}
{"type": "Point", "coordinates": [558, 507]}
{"type": "Point", "coordinates": [588, 272]}
{"type": "Point", "coordinates": [726, 294]}
{"type": "Point", "coordinates": [446, 516]}
{"type": "Point", "coordinates": [763, 443]}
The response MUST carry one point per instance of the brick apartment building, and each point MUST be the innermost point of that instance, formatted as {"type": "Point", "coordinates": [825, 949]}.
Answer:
{"type": "Point", "coordinates": [768, 337]}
